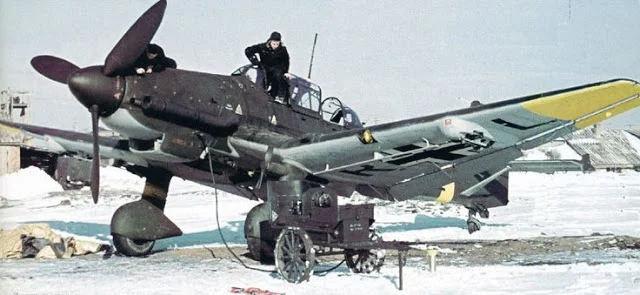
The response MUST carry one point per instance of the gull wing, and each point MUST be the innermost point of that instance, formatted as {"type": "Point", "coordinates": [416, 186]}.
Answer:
{"type": "Point", "coordinates": [458, 155]}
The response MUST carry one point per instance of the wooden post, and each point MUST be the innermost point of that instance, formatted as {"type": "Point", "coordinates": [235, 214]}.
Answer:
{"type": "Point", "coordinates": [400, 253]}
{"type": "Point", "coordinates": [432, 259]}
{"type": "Point", "coordinates": [9, 159]}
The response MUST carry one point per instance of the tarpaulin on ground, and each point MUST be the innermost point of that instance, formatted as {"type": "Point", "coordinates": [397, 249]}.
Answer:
{"type": "Point", "coordinates": [39, 241]}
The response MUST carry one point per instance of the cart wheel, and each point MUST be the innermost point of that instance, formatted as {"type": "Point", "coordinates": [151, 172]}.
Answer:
{"type": "Point", "coordinates": [294, 255]}
{"type": "Point", "coordinates": [364, 261]}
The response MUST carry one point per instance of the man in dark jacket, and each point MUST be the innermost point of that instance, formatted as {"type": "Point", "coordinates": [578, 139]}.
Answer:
{"type": "Point", "coordinates": [274, 59]}
{"type": "Point", "coordinates": [153, 60]}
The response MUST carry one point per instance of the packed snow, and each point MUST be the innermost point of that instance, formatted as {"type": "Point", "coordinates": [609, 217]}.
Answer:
{"type": "Point", "coordinates": [540, 205]}
{"type": "Point", "coordinates": [555, 150]}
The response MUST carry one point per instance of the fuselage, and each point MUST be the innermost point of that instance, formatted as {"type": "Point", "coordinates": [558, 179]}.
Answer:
{"type": "Point", "coordinates": [175, 115]}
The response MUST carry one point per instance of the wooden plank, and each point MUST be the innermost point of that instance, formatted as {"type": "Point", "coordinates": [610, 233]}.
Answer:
{"type": "Point", "coordinates": [9, 159]}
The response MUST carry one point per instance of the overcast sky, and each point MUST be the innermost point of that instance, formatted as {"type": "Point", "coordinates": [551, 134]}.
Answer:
{"type": "Point", "coordinates": [388, 60]}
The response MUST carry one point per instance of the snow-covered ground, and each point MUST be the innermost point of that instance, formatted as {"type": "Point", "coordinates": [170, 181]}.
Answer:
{"type": "Point", "coordinates": [540, 205]}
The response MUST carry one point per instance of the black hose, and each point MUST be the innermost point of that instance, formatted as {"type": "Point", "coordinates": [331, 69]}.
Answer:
{"type": "Point", "coordinates": [330, 269]}
{"type": "Point", "coordinates": [215, 191]}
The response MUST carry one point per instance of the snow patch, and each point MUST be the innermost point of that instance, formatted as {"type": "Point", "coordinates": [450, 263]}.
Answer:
{"type": "Point", "coordinates": [26, 183]}
{"type": "Point", "coordinates": [555, 150]}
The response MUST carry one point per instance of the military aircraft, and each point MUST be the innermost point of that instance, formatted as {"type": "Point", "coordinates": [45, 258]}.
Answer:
{"type": "Point", "coordinates": [226, 131]}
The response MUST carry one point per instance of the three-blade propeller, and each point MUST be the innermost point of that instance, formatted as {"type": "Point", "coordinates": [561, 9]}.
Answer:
{"type": "Point", "coordinates": [100, 88]}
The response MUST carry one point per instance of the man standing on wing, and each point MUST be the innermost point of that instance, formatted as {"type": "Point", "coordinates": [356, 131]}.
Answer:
{"type": "Point", "coordinates": [274, 59]}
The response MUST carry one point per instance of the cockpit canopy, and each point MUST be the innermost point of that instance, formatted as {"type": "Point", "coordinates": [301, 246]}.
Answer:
{"type": "Point", "coordinates": [306, 98]}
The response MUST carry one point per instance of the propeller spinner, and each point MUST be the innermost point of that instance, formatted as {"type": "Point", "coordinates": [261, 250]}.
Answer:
{"type": "Point", "coordinates": [100, 88]}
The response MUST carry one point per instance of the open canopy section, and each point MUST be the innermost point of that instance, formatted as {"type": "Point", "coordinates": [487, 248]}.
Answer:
{"type": "Point", "coordinates": [306, 97]}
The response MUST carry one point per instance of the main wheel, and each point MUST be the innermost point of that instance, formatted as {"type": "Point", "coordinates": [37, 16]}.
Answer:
{"type": "Point", "coordinates": [261, 237]}
{"type": "Point", "coordinates": [131, 247]}
{"type": "Point", "coordinates": [294, 255]}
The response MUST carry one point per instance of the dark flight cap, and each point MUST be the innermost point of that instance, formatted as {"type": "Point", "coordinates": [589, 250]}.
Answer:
{"type": "Point", "coordinates": [154, 49]}
{"type": "Point", "coordinates": [275, 36]}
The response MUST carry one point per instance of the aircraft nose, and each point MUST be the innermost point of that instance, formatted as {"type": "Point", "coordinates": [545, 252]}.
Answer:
{"type": "Point", "coordinates": [91, 87]}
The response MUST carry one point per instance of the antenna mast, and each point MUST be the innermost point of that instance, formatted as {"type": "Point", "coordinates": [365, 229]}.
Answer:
{"type": "Point", "coordinates": [315, 39]}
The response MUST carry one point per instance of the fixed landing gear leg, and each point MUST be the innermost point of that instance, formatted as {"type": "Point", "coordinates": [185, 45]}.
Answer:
{"type": "Point", "coordinates": [156, 188]}
{"type": "Point", "coordinates": [137, 225]}
{"type": "Point", "coordinates": [483, 211]}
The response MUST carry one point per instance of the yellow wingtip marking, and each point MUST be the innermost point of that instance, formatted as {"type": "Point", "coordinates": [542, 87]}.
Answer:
{"type": "Point", "coordinates": [446, 195]}
{"type": "Point", "coordinates": [608, 114]}
{"type": "Point", "coordinates": [575, 104]}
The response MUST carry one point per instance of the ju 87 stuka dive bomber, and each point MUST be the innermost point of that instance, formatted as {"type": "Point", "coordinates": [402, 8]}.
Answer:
{"type": "Point", "coordinates": [225, 131]}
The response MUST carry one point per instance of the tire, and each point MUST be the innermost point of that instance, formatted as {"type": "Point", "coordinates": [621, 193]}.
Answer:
{"type": "Point", "coordinates": [130, 247]}
{"type": "Point", "coordinates": [257, 224]}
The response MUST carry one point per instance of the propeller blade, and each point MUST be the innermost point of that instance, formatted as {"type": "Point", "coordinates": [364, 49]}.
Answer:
{"type": "Point", "coordinates": [54, 68]}
{"type": "Point", "coordinates": [135, 40]}
{"type": "Point", "coordinates": [95, 169]}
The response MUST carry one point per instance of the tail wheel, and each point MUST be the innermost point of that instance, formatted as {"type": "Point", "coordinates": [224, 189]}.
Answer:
{"type": "Point", "coordinates": [131, 247]}
{"type": "Point", "coordinates": [295, 256]}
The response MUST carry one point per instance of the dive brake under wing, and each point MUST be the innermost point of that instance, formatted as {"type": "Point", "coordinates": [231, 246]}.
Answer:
{"type": "Point", "coordinates": [461, 155]}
